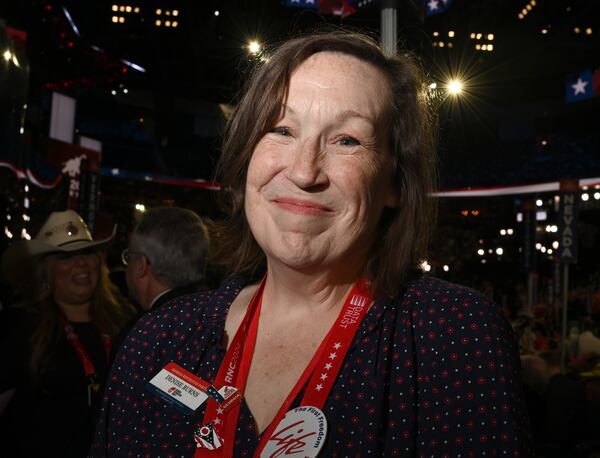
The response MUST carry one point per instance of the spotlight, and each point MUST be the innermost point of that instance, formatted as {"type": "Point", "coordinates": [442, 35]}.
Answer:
{"type": "Point", "coordinates": [455, 87]}
{"type": "Point", "coordinates": [254, 47]}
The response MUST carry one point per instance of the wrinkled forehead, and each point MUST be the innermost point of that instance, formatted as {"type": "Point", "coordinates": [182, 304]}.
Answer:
{"type": "Point", "coordinates": [345, 80]}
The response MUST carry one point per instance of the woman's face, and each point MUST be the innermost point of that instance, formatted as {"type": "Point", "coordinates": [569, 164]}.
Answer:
{"type": "Point", "coordinates": [74, 276]}
{"type": "Point", "coordinates": [319, 180]}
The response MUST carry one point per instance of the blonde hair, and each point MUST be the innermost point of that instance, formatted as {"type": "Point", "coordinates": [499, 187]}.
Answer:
{"type": "Point", "coordinates": [109, 312]}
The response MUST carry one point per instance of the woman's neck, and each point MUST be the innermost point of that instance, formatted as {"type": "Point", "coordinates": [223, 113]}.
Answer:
{"type": "Point", "coordinates": [291, 290]}
{"type": "Point", "coordinates": [76, 313]}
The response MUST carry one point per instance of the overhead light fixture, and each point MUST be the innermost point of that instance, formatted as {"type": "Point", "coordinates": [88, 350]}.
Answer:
{"type": "Point", "coordinates": [455, 87]}
{"type": "Point", "coordinates": [254, 47]}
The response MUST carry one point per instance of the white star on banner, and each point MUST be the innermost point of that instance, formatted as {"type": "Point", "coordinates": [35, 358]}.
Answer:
{"type": "Point", "coordinates": [328, 366]}
{"type": "Point", "coordinates": [579, 86]}
{"type": "Point", "coordinates": [332, 355]}
{"type": "Point", "coordinates": [319, 387]}
{"type": "Point", "coordinates": [433, 5]}
{"type": "Point", "coordinates": [310, 2]}
{"type": "Point", "coordinates": [219, 411]}
{"type": "Point", "coordinates": [217, 421]}
{"type": "Point", "coordinates": [323, 376]}
{"type": "Point", "coordinates": [337, 345]}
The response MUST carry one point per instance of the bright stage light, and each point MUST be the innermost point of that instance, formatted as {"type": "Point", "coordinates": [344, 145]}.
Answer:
{"type": "Point", "coordinates": [455, 87]}
{"type": "Point", "coordinates": [254, 47]}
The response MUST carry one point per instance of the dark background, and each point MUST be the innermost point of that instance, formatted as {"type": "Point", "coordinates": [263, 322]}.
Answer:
{"type": "Point", "coordinates": [511, 125]}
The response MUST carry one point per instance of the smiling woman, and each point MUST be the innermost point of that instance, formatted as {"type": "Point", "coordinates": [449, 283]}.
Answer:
{"type": "Point", "coordinates": [319, 181]}
{"type": "Point", "coordinates": [54, 356]}
{"type": "Point", "coordinates": [325, 339]}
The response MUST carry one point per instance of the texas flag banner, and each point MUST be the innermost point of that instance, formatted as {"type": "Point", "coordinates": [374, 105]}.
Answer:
{"type": "Point", "coordinates": [581, 86]}
{"type": "Point", "coordinates": [341, 8]}
{"type": "Point", "coordinates": [436, 6]}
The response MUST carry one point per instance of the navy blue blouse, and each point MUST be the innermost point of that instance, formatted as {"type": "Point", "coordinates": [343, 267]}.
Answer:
{"type": "Point", "coordinates": [434, 373]}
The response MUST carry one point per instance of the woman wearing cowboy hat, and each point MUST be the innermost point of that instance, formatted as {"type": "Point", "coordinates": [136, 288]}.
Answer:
{"type": "Point", "coordinates": [55, 356]}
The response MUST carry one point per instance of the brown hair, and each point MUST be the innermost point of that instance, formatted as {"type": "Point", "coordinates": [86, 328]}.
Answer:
{"type": "Point", "coordinates": [109, 312]}
{"type": "Point", "coordinates": [403, 232]}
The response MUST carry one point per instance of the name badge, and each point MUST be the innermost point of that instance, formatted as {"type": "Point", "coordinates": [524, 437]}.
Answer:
{"type": "Point", "coordinates": [179, 387]}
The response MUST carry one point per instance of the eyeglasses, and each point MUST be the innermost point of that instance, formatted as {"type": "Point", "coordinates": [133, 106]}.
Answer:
{"type": "Point", "coordinates": [126, 256]}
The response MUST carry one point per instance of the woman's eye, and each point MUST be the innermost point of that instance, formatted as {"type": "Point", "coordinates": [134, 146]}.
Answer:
{"type": "Point", "coordinates": [285, 131]}
{"type": "Point", "coordinates": [348, 141]}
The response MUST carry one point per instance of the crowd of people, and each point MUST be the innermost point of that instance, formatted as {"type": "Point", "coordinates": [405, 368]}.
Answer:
{"type": "Point", "coordinates": [322, 339]}
{"type": "Point", "coordinates": [58, 344]}
{"type": "Point", "coordinates": [561, 382]}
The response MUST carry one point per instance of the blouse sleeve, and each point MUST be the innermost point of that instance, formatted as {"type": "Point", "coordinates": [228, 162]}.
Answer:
{"type": "Point", "coordinates": [184, 331]}
{"type": "Point", "coordinates": [117, 395]}
{"type": "Point", "coordinates": [469, 395]}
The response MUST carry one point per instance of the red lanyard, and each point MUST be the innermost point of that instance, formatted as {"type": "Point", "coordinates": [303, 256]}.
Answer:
{"type": "Point", "coordinates": [84, 357]}
{"type": "Point", "coordinates": [322, 369]}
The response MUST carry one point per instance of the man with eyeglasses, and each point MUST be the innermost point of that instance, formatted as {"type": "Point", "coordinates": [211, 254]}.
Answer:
{"type": "Point", "coordinates": [166, 257]}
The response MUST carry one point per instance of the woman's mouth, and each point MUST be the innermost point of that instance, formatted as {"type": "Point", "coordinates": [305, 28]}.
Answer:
{"type": "Point", "coordinates": [301, 206]}
{"type": "Point", "coordinates": [81, 278]}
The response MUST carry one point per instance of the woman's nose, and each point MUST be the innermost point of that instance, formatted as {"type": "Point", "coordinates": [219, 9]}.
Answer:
{"type": "Point", "coordinates": [80, 260]}
{"type": "Point", "coordinates": [307, 167]}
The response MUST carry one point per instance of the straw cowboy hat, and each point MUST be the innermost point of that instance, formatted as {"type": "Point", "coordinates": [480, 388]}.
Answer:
{"type": "Point", "coordinates": [63, 232]}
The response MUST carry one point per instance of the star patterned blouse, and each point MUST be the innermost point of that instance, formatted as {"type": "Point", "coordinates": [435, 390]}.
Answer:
{"type": "Point", "coordinates": [433, 373]}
